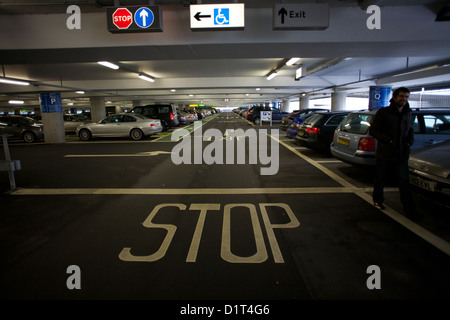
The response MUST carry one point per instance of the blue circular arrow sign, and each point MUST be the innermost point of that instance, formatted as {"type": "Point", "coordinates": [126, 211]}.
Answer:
{"type": "Point", "coordinates": [144, 17]}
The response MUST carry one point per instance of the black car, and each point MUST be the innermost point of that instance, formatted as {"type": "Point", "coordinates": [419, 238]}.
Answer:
{"type": "Point", "coordinates": [21, 127]}
{"type": "Point", "coordinates": [164, 112]}
{"type": "Point", "coordinates": [254, 114]}
{"type": "Point", "coordinates": [316, 132]}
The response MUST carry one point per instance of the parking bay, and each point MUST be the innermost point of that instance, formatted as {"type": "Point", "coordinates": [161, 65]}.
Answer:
{"type": "Point", "coordinates": [140, 227]}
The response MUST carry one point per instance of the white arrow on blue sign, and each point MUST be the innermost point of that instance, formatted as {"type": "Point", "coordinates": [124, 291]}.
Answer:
{"type": "Point", "coordinates": [143, 17]}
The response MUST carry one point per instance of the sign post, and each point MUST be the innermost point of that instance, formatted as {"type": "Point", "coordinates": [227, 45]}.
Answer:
{"type": "Point", "coordinates": [266, 116]}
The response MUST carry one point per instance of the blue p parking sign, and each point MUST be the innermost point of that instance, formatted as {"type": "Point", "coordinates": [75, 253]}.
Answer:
{"type": "Point", "coordinates": [143, 17]}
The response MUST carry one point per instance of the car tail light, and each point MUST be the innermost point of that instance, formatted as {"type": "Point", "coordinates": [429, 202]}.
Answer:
{"type": "Point", "coordinates": [152, 124]}
{"type": "Point", "coordinates": [366, 144]}
{"type": "Point", "coordinates": [312, 130]}
{"type": "Point", "coordinates": [172, 116]}
{"type": "Point", "coordinates": [297, 125]}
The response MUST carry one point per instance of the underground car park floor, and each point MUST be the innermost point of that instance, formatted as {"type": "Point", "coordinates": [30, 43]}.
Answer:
{"type": "Point", "coordinates": [117, 219]}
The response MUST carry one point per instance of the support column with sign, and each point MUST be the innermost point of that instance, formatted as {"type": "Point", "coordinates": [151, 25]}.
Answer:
{"type": "Point", "coordinates": [52, 119]}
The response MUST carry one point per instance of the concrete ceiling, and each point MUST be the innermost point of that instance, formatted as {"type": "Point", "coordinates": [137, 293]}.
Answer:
{"type": "Point", "coordinates": [222, 68]}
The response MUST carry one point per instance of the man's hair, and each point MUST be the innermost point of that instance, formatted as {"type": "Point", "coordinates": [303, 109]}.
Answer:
{"type": "Point", "coordinates": [398, 90]}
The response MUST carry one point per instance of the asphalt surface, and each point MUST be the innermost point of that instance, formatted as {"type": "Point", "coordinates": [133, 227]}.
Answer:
{"type": "Point", "coordinates": [139, 227]}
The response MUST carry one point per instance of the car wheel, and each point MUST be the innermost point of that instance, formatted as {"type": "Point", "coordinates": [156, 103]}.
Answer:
{"type": "Point", "coordinates": [257, 121]}
{"type": "Point", "coordinates": [136, 134]}
{"type": "Point", "coordinates": [85, 135]}
{"type": "Point", "coordinates": [29, 137]}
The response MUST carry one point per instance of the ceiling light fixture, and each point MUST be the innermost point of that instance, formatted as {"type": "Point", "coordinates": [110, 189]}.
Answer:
{"type": "Point", "coordinates": [292, 61]}
{"type": "Point", "coordinates": [173, 90]}
{"type": "Point", "coordinates": [79, 92]}
{"type": "Point", "coordinates": [146, 78]}
{"type": "Point", "coordinates": [11, 81]}
{"type": "Point", "coordinates": [272, 75]}
{"type": "Point", "coordinates": [108, 64]}
{"type": "Point", "coordinates": [16, 101]}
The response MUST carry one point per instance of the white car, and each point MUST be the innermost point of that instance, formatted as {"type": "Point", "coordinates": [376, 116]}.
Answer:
{"type": "Point", "coordinates": [131, 125]}
{"type": "Point", "coordinates": [72, 121]}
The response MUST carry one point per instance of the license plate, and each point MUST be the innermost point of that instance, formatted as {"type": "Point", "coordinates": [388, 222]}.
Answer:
{"type": "Point", "coordinates": [421, 183]}
{"type": "Point", "coordinates": [301, 133]}
{"type": "Point", "coordinates": [343, 141]}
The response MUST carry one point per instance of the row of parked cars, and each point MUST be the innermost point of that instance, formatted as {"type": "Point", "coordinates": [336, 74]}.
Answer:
{"type": "Point", "coordinates": [253, 114]}
{"type": "Point", "coordinates": [142, 121]}
{"type": "Point", "coordinates": [346, 136]}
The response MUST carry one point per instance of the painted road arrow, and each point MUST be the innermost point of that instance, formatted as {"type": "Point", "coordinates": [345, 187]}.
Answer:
{"type": "Point", "coordinates": [198, 16]}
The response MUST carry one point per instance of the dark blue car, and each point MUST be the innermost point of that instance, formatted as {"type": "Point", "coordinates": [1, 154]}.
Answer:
{"type": "Point", "coordinates": [295, 122]}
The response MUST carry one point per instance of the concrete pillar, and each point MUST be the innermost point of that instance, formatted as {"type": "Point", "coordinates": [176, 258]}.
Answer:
{"type": "Point", "coordinates": [98, 110]}
{"type": "Point", "coordinates": [286, 106]}
{"type": "Point", "coordinates": [338, 101]}
{"type": "Point", "coordinates": [52, 117]}
{"type": "Point", "coordinates": [118, 109]}
{"type": "Point", "coordinates": [304, 101]}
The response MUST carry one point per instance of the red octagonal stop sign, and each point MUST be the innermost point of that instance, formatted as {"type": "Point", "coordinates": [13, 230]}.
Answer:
{"type": "Point", "coordinates": [122, 18]}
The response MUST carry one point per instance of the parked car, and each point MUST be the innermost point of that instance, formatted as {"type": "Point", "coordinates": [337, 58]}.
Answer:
{"type": "Point", "coordinates": [21, 127]}
{"type": "Point", "coordinates": [188, 117]}
{"type": "Point", "coordinates": [285, 120]}
{"type": "Point", "coordinates": [254, 114]}
{"type": "Point", "coordinates": [72, 121]}
{"type": "Point", "coordinates": [164, 112]}
{"type": "Point", "coordinates": [295, 122]}
{"type": "Point", "coordinates": [135, 126]}
{"type": "Point", "coordinates": [429, 171]}
{"type": "Point", "coordinates": [316, 132]}
{"type": "Point", "coordinates": [353, 144]}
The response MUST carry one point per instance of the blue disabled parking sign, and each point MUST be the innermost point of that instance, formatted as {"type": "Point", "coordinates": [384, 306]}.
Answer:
{"type": "Point", "coordinates": [221, 16]}
{"type": "Point", "coordinates": [144, 17]}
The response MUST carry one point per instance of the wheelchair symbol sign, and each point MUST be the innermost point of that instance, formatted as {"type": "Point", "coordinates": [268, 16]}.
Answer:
{"type": "Point", "coordinates": [221, 16]}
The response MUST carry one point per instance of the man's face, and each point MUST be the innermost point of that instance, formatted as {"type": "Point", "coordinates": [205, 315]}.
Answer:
{"type": "Point", "coordinates": [402, 98]}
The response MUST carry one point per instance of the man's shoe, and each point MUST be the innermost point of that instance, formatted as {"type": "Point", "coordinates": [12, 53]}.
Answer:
{"type": "Point", "coordinates": [379, 205]}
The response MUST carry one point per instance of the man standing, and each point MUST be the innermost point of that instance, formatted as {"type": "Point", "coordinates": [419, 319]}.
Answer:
{"type": "Point", "coordinates": [392, 127]}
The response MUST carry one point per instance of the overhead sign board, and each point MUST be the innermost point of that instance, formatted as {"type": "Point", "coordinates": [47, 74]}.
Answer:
{"type": "Point", "coordinates": [308, 16]}
{"type": "Point", "coordinates": [134, 19]}
{"type": "Point", "coordinates": [217, 16]}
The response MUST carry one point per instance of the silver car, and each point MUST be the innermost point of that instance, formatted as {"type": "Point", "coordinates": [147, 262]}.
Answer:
{"type": "Point", "coordinates": [72, 121]}
{"type": "Point", "coordinates": [353, 144]}
{"type": "Point", "coordinates": [429, 169]}
{"type": "Point", "coordinates": [131, 125]}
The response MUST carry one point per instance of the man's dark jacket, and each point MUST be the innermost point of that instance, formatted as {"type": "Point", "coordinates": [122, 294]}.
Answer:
{"type": "Point", "coordinates": [393, 131]}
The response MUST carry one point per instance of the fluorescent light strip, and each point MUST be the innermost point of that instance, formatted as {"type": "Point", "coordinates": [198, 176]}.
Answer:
{"type": "Point", "coordinates": [16, 101]}
{"type": "Point", "coordinates": [292, 61]}
{"type": "Point", "coordinates": [146, 78]}
{"type": "Point", "coordinates": [18, 82]}
{"type": "Point", "coordinates": [272, 75]}
{"type": "Point", "coordinates": [108, 64]}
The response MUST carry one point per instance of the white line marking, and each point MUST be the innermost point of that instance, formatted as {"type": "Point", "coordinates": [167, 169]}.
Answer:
{"type": "Point", "coordinates": [434, 240]}
{"type": "Point", "coordinates": [163, 191]}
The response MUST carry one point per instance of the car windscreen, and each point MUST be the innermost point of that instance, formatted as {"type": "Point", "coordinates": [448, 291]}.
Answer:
{"type": "Point", "coordinates": [356, 123]}
{"type": "Point", "coordinates": [316, 117]}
